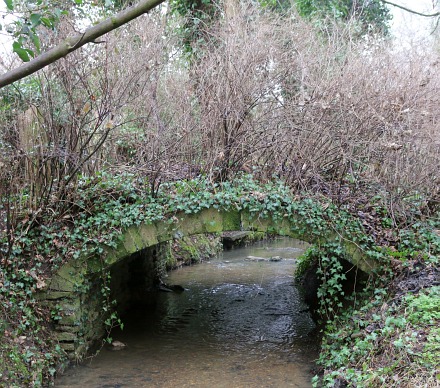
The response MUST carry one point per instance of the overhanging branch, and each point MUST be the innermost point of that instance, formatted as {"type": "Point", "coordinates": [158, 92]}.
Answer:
{"type": "Point", "coordinates": [426, 15]}
{"type": "Point", "coordinates": [74, 42]}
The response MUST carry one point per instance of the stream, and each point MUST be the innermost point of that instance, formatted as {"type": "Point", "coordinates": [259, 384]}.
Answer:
{"type": "Point", "coordinates": [239, 323]}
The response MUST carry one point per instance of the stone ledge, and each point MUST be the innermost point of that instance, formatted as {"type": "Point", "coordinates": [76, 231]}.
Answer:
{"type": "Point", "coordinates": [232, 236]}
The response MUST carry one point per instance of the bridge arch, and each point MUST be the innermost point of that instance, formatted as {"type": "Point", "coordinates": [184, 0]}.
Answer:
{"type": "Point", "coordinates": [72, 291]}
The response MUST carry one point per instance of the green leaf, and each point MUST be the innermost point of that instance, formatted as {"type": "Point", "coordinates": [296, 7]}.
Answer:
{"type": "Point", "coordinates": [35, 41]}
{"type": "Point", "coordinates": [47, 22]}
{"type": "Point", "coordinates": [35, 19]}
{"type": "Point", "coordinates": [21, 52]}
{"type": "Point", "coordinates": [9, 4]}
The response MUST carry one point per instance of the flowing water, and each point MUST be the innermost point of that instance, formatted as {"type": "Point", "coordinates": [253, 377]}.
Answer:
{"type": "Point", "coordinates": [239, 323]}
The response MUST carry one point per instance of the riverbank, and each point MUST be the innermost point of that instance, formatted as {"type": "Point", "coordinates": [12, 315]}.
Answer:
{"type": "Point", "coordinates": [390, 336]}
{"type": "Point", "coordinates": [381, 331]}
{"type": "Point", "coordinates": [106, 206]}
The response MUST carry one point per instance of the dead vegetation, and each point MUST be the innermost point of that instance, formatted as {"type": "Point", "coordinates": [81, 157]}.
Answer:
{"type": "Point", "coordinates": [267, 95]}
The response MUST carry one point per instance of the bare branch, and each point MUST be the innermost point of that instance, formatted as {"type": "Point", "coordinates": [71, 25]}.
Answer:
{"type": "Point", "coordinates": [73, 43]}
{"type": "Point", "coordinates": [427, 15]}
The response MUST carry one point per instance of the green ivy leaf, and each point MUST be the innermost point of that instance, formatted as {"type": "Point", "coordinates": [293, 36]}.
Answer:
{"type": "Point", "coordinates": [20, 51]}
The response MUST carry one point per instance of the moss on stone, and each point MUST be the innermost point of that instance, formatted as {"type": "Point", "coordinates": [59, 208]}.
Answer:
{"type": "Point", "coordinates": [192, 249]}
{"type": "Point", "coordinates": [149, 234]}
{"type": "Point", "coordinates": [306, 261]}
{"type": "Point", "coordinates": [164, 231]}
{"type": "Point", "coordinates": [358, 258]}
{"type": "Point", "coordinates": [65, 279]}
{"type": "Point", "coordinates": [111, 255]}
{"type": "Point", "coordinates": [181, 240]}
{"type": "Point", "coordinates": [213, 221]}
{"type": "Point", "coordinates": [65, 336]}
{"type": "Point", "coordinates": [232, 220]}
{"type": "Point", "coordinates": [129, 242]}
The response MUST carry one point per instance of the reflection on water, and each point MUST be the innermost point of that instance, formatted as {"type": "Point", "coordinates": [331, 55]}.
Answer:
{"type": "Point", "coordinates": [238, 323]}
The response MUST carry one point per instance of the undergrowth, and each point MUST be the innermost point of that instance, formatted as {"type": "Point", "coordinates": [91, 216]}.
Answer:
{"type": "Point", "coordinates": [103, 206]}
{"type": "Point", "coordinates": [384, 341]}
{"type": "Point", "coordinates": [385, 334]}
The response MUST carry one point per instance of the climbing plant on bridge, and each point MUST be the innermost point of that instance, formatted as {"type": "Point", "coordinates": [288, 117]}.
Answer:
{"type": "Point", "coordinates": [104, 206]}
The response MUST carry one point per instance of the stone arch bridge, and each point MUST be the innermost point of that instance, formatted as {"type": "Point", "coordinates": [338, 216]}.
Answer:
{"type": "Point", "coordinates": [73, 293]}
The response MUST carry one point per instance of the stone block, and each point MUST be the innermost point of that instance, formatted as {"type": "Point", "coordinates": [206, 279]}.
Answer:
{"type": "Point", "coordinates": [113, 255]}
{"type": "Point", "coordinates": [67, 347]}
{"type": "Point", "coordinates": [71, 305]}
{"type": "Point", "coordinates": [189, 224]}
{"type": "Point", "coordinates": [165, 231]}
{"type": "Point", "coordinates": [257, 224]}
{"type": "Point", "coordinates": [357, 258]}
{"type": "Point", "coordinates": [65, 336]}
{"type": "Point", "coordinates": [136, 237]}
{"type": "Point", "coordinates": [246, 221]}
{"type": "Point", "coordinates": [148, 235]}
{"type": "Point", "coordinates": [55, 295]}
{"type": "Point", "coordinates": [129, 243]}
{"type": "Point", "coordinates": [66, 278]}
{"type": "Point", "coordinates": [284, 228]}
{"type": "Point", "coordinates": [70, 312]}
{"type": "Point", "coordinates": [68, 328]}
{"type": "Point", "coordinates": [232, 236]}
{"type": "Point", "coordinates": [59, 283]}
{"type": "Point", "coordinates": [212, 221]}
{"type": "Point", "coordinates": [69, 319]}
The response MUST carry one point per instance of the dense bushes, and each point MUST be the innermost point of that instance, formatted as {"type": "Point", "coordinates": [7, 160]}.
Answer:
{"type": "Point", "coordinates": [267, 94]}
